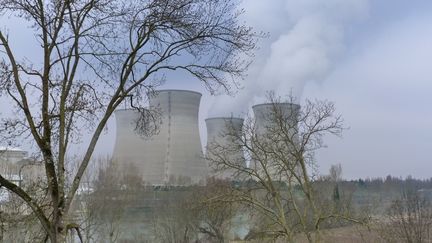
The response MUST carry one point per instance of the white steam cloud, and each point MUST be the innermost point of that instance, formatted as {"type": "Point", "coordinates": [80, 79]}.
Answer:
{"type": "Point", "coordinates": [306, 39]}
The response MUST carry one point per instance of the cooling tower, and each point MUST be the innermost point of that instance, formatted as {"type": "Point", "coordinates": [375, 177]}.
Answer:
{"type": "Point", "coordinates": [267, 131]}
{"type": "Point", "coordinates": [264, 114]}
{"type": "Point", "coordinates": [174, 155]}
{"type": "Point", "coordinates": [221, 140]}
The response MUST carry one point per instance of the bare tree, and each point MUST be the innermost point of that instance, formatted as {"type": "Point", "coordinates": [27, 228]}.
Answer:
{"type": "Point", "coordinates": [107, 204]}
{"type": "Point", "coordinates": [189, 214]}
{"type": "Point", "coordinates": [335, 173]}
{"type": "Point", "coordinates": [278, 185]}
{"type": "Point", "coordinates": [408, 219]}
{"type": "Point", "coordinates": [94, 54]}
{"type": "Point", "coordinates": [216, 220]}
{"type": "Point", "coordinates": [336, 195]}
{"type": "Point", "coordinates": [175, 219]}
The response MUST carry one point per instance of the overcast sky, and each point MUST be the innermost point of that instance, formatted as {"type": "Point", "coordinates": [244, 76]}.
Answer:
{"type": "Point", "coordinates": [372, 58]}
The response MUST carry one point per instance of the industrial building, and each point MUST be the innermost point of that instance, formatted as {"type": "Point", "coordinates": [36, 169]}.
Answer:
{"type": "Point", "coordinates": [265, 113]}
{"type": "Point", "coordinates": [267, 128]}
{"type": "Point", "coordinates": [173, 156]}
{"type": "Point", "coordinates": [12, 155]}
{"type": "Point", "coordinates": [223, 134]}
{"type": "Point", "coordinates": [19, 168]}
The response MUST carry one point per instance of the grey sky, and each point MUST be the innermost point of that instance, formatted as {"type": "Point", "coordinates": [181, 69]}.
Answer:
{"type": "Point", "coordinates": [371, 57]}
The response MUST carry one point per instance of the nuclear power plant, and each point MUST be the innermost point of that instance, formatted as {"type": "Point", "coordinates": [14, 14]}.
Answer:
{"type": "Point", "coordinates": [264, 113]}
{"type": "Point", "coordinates": [223, 134]}
{"type": "Point", "coordinates": [266, 118]}
{"type": "Point", "coordinates": [173, 156]}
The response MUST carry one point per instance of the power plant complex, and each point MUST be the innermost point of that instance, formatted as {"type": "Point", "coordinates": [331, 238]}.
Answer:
{"type": "Point", "coordinates": [174, 156]}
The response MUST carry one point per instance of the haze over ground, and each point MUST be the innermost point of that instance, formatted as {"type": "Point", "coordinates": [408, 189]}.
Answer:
{"type": "Point", "coordinates": [372, 58]}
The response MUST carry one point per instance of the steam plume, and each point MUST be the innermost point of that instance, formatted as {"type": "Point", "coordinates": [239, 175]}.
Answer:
{"type": "Point", "coordinates": [306, 39]}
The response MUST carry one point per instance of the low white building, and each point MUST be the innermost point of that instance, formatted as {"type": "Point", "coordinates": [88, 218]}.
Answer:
{"type": "Point", "coordinates": [16, 166]}
{"type": "Point", "coordinates": [12, 155]}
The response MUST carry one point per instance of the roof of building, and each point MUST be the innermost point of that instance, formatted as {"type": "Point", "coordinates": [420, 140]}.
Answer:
{"type": "Point", "coordinates": [4, 148]}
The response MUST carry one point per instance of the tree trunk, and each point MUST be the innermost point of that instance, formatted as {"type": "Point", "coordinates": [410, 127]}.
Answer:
{"type": "Point", "coordinates": [58, 237]}
{"type": "Point", "coordinates": [58, 232]}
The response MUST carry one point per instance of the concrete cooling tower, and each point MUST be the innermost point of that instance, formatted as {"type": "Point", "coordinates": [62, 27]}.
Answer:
{"type": "Point", "coordinates": [267, 128]}
{"type": "Point", "coordinates": [221, 133]}
{"type": "Point", "coordinates": [174, 155]}
{"type": "Point", "coordinates": [264, 112]}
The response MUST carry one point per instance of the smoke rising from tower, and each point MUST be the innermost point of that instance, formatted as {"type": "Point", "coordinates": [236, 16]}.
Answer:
{"type": "Point", "coordinates": [306, 40]}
